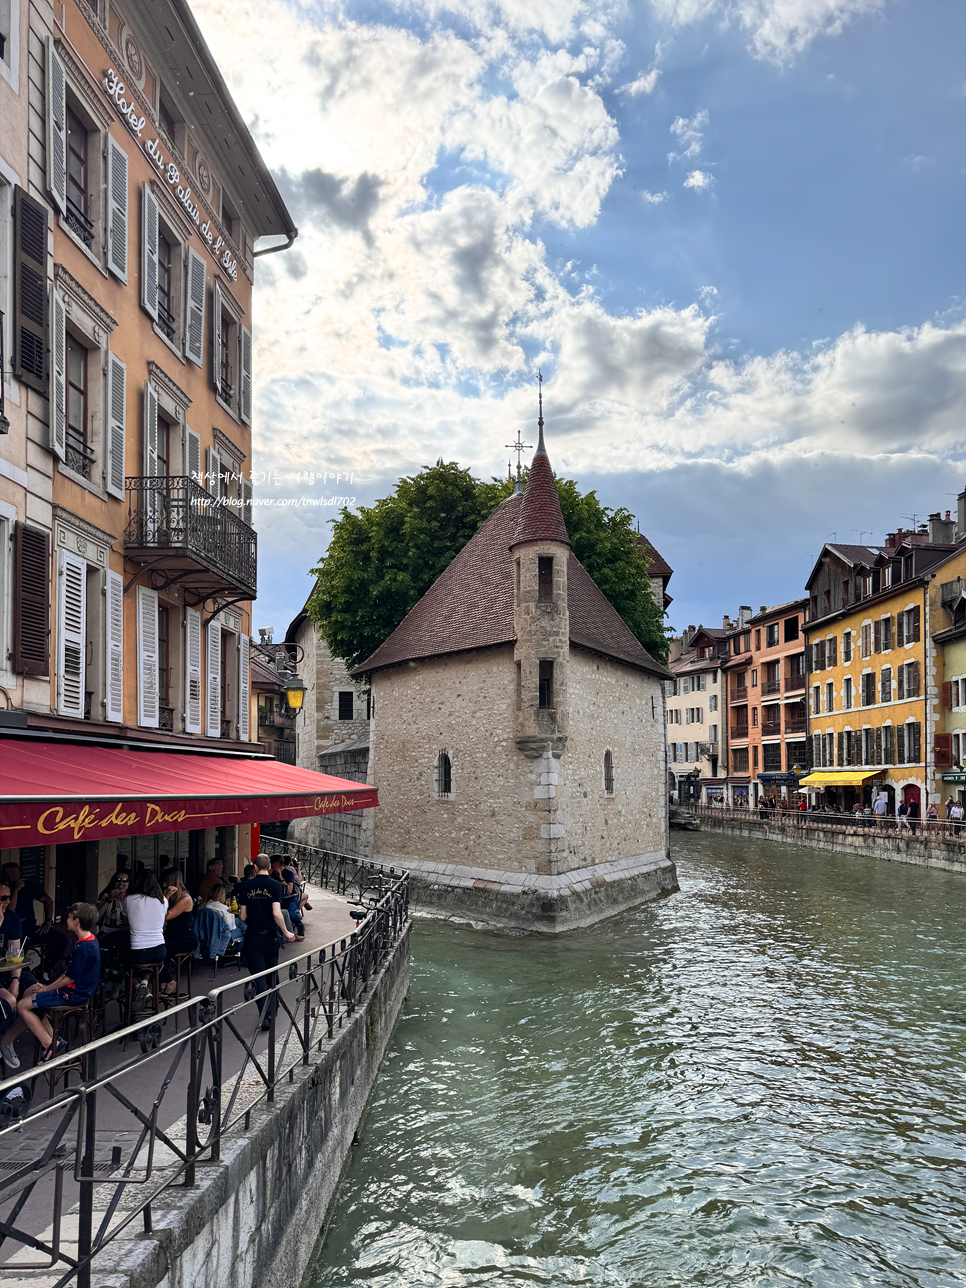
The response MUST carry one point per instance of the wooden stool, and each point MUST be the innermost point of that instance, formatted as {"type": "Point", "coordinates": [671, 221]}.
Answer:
{"type": "Point", "coordinates": [150, 971]}
{"type": "Point", "coordinates": [59, 1018]}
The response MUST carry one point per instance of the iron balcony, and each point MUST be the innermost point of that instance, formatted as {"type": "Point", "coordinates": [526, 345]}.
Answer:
{"type": "Point", "coordinates": [181, 532]}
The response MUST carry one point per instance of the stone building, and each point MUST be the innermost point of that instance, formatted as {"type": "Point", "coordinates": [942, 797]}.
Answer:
{"type": "Point", "coordinates": [697, 711]}
{"type": "Point", "coordinates": [518, 734]}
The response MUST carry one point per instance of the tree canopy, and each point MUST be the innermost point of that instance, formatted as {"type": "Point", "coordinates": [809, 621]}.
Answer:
{"type": "Point", "coordinates": [384, 558]}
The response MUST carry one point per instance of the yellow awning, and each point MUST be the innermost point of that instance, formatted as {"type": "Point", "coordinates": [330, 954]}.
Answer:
{"type": "Point", "coordinates": [846, 779]}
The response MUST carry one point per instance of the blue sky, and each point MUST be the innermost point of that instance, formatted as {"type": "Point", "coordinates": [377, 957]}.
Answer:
{"type": "Point", "coordinates": [730, 231]}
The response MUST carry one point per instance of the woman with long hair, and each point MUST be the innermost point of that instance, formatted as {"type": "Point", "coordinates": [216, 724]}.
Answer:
{"type": "Point", "coordinates": [179, 924]}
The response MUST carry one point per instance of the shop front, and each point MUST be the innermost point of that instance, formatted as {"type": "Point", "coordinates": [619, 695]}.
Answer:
{"type": "Point", "coordinates": [780, 786]}
{"type": "Point", "coordinates": [71, 814]}
{"type": "Point", "coordinates": [954, 785]}
{"type": "Point", "coordinates": [840, 791]}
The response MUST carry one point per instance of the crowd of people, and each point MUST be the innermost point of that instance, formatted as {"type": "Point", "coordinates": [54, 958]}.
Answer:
{"type": "Point", "coordinates": [907, 817]}
{"type": "Point", "coordinates": [137, 921]}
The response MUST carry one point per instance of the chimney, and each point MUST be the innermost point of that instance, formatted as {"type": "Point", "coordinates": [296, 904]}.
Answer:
{"type": "Point", "coordinates": [726, 620]}
{"type": "Point", "coordinates": [691, 634]}
{"type": "Point", "coordinates": [942, 532]}
{"type": "Point", "coordinates": [961, 516]}
{"type": "Point", "coordinates": [763, 607]}
{"type": "Point", "coordinates": [265, 634]}
{"type": "Point", "coordinates": [744, 615]}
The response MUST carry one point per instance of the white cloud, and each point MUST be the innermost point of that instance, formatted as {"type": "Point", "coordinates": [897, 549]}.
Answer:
{"type": "Point", "coordinates": [690, 131]}
{"type": "Point", "coordinates": [653, 198]}
{"type": "Point", "coordinates": [777, 29]}
{"type": "Point", "coordinates": [644, 84]}
{"type": "Point", "coordinates": [699, 179]}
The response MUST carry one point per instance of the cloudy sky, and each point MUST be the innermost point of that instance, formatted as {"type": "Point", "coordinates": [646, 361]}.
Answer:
{"type": "Point", "coordinates": [729, 231]}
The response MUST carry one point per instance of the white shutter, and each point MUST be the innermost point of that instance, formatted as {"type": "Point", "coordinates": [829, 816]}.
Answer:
{"type": "Point", "coordinates": [150, 432]}
{"type": "Point", "coordinates": [214, 479]}
{"type": "Point", "coordinates": [213, 680]}
{"type": "Point", "coordinates": [148, 700]}
{"type": "Point", "coordinates": [243, 685]}
{"type": "Point", "coordinates": [217, 357]}
{"type": "Point", "coordinates": [72, 634]}
{"type": "Point", "coordinates": [117, 203]}
{"type": "Point", "coordinates": [192, 454]}
{"type": "Point", "coordinates": [195, 330]}
{"type": "Point", "coordinates": [115, 647]}
{"type": "Point", "coordinates": [245, 398]}
{"type": "Point", "coordinates": [192, 679]}
{"type": "Point", "coordinates": [56, 127]}
{"type": "Point", "coordinates": [149, 251]}
{"type": "Point", "coordinates": [116, 424]}
{"type": "Point", "coordinates": [246, 500]}
{"type": "Point", "coordinates": [58, 378]}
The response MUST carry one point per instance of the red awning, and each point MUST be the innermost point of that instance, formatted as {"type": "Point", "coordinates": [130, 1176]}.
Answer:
{"type": "Point", "coordinates": [53, 793]}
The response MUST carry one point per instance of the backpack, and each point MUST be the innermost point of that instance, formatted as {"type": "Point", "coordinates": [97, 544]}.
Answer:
{"type": "Point", "coordinates": [14, 1104]}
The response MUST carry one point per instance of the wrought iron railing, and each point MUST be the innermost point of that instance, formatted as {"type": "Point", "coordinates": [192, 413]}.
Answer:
{"type": "Point", "coordinates": [796, 724]}
{"type": "Point", "coordinates": [225, 728]}
{"type": "Point", "coordinates": [948, 829]}
{"type": "Point", "coordinates": [78, 222]}
{"type": "Point", "coordinates": [68, 1191]}
{"type": "Point", "coordinates": [166, 719]}
{"type": "Point", "coordinates": [739, 731]}
{"type": "Point", "coordinates": [166, 320]}
{"type": "Point", "coordinates": [176, 514]}
{"type": "Point", "coordinates": [739, 694]}
{"type": "Point", "coordinates": [794, 682]}
{"type": "Point", "coordinates": [78, 455]}
{"type": "Point", "coordinates": [771, 686]}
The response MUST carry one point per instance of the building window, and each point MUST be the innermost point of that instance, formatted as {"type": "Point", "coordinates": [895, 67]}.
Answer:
{"type": "Point", "coordinates": [444, 775]}
{"type": "Point", "coordinates": [754, 757]}
{"type": "Point", "coordinates": [816, 701]}
{"type": "Point", "coordinates": [713, 702]}
{"type": "Point", "coordinates": [168, 117]}
{"type": "Point", "coordinates": [166, 317]}
{"type": "Point", "coordinates": [79, 454]}
{"type": "Point", "coordinates": [791, 629]}
{"type": "Point", "coordinates": [545, 579]}
{"type": "Point", "coordinates": [846, 646]}
{"type": "Point", "coordinates": [739, 760]}
{"type": "Point", "coordinates": [771, 757]}
{"type": "Point", "coordinates": [608, 773]}
{"type": "Point", "coordinates": [757, 639]}
{"type": "Point", "coordinates": [546, 685]}
{"type": "Point", "coordinates": [847, 694]}
{"type": "Point", "coordinates": [78, 180]}
{"type": "Point", "coordinates": [868, 689]}
{"type": "Point", "coordinates": [164, 666]}
{"type": "Point", "coordinates": [164, 448]}
{"type": "Point", "coordinates": [345, 705]}
{"type": "Point", "coordinates": [829, 696]}
{"type": "Point", "coordinates": [771, 636]}
{"type": "Point", "coordinates": [885, 682]}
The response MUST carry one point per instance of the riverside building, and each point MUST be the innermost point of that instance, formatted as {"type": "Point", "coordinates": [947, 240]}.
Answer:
{"type": "Point", "coordinates": [132, 199]}
{"type": "Point", "coordinates": [878, 719]}
{"type": "Point", "coordinates": [517, 736]}
{"type": "Point", "coordinates": [697, 753]}
{"type": "Point", "coordinates": [768, 723]}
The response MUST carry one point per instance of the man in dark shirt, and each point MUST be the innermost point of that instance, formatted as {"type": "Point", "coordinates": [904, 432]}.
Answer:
{"type": "Point", "coordinates": [260, 907]}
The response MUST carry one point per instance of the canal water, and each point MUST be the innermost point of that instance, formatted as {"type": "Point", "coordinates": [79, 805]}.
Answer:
{"type": "Point", "coordinates": [759, 1081]}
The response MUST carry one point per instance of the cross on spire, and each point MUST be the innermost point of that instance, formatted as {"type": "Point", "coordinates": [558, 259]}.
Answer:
{"type": "Point", "coordinates": [519, 447]}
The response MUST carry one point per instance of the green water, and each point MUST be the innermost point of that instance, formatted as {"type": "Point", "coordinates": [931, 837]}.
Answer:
{"type": "Point", "coordinates": [759, 1081]}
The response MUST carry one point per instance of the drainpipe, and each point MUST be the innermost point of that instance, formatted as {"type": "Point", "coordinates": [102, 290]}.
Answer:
{"type": "Point", "coordinates": [270, 250]}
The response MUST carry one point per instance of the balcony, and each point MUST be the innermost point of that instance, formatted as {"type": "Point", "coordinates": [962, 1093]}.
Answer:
{"type": "Point", "coordinates": [951, 592]}
{"type": "Point", "coordinates": [772, 729]}
{"type": "Point", "coordinates": [225, 727]}
{"type": "Point", "coordinates": [794, 682]}
{"type": "Point", "coordinates": [796, 724]}
{"type": "Point", "coordinates": [166, 320]}
{"type": "Point", "coordinates": [739, 694]}
{"type": "Point", "coordinates": [78, 223]}
{"type": "Point", "coordinates": [181, 532]}
{"type": "Point", "coordinates": [770, 686]}
{"type": "Point", "coordinates": [274, 719]}
{"type": "Point", "coordinates": [739, 731]}
{"type": "Point", "coordinates": [166, 719]}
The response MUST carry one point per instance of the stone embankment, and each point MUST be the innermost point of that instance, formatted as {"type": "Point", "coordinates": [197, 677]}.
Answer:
{"type": "Point", "coordinates": [926, 849]}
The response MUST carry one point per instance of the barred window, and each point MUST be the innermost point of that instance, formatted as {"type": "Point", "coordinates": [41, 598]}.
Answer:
{"type": "Point", "coordinates": [609, 772]}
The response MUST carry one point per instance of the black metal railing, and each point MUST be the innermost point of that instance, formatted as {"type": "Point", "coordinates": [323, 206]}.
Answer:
{"type": "Point", "coordinates": [739, 694]}
{"type": "Point", "coordinates": [796, 724]}
{"type": "Point", "coordinates": [771, 686]}
{"type": "Point", "coordinates": [739, 731]}
{"type": "Point", "coordinates": [771, 728]}
{"type": "Point", "coordinates": [78, 222]}
{"type": "Point", "coordinates": [68, 1191]}
{"type": "Point", "coordinates": [225, 728]}
{"type": "Point", "coordinates": [176, 514]}
{"type": "Point", "coordinates": [166, 719]}
{"type": "Point", "coordinates": [78, 455]}
{"type": "Point", "coordinates": [822, 817]}
{"type": "Point", "coordinates": [794, 682]}
{"type": "Point", "coordinates": [166, 320]}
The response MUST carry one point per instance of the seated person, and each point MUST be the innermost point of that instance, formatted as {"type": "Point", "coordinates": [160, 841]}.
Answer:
{"type": "Point", "coordinates": [75, 987]}
{"type": "Point", "coordinates": [214, 876]}
{"type": "Point", "coordinates": [179, 925]}
{"type": "Point", "coordinates": [112, 926]}
{"type": "Point", "coordinates": [15, 979]}
{"type": "Point", "coordinates": [23, 895]}
{"type": "Point", "coordinates": [219, 903]}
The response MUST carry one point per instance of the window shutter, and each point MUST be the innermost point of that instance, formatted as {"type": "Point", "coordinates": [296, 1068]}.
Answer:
{"type": "Point", "coordinates": [916, 730]}
{"type": "Point", "coordinates": [912, 681]}
{"type": "Point", "coordinates": [71, 634]}
{"type": "Point", "coordinates": [833, 648]}
{"type": "Point", "coordinates": [888, 744]}
{"type": "Point", "coordinates": [195, 330]}
{"type": "Point", "coordinates": [246, 498]}
{"type": "Point", "coordinates": [56, 127]}
{"type": "Point", "coordinates": [58, 381]}
{"type": "Point", "coordinates": [900, 629]}
{"type": "Point", "coordinates": [31, 338]}
{"type": "Point", "coordinates": [192, 697]}
{"type": "Point", "coordinates": [31, 605]}
{"type": "Point", "coordinates": [243, 686]}
{"type": "Point", "coordinates": [115, 647]}
{"type": "Point", "coordinates": [878, 746]}
{"type": "Point", "coordinates": [149, 251]}
{"type": "Point", "coordinates": [192, 454]}
{"type": "Point", "coordinates": [943, 749]}
{"type": "Point", "coordinates": [217, 356]}
{"type": "Point", "coordinates": [116, 424]}
{"type": "Point", "coordinates": [841, 749]}
{"type": "Point", "coordinates": [245, 399]}
{"type": "Point", "coordinates": [900, 744]}
{"type": "Point", "coordinates": [150, 432]}
{"type": "Point", "coordinates": [947, 695]}
{"type": "Point", "coordinates": [214, 472]}
{"type": "Point", "coordinates": [887, 632]}
{"type": "Point", "coordinates": [117, 205]}
{"type": "Point", "coordinates": [213, 680]}
{"type": "Point", "coordinates": [148, 699]}
{"type": "Point", "coordinates": [915, 624]}
{"type": "Point", "coordinates": [877, 636]}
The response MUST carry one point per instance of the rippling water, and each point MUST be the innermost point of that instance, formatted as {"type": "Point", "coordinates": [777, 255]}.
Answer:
{"type": "Point", "coordinates": [759, 1081]}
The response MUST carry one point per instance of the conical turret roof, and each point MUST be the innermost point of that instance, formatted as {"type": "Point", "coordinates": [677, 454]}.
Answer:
{"type": "Point", "coordinates": [541, 518]}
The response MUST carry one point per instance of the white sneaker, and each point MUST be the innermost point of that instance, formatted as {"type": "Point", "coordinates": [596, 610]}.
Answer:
{"type": "Point", "coordinates": [10, 1057]}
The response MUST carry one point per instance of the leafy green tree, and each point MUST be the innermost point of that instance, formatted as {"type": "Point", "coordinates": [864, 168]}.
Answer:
{"type": "Point", "coordinates": [383, 559]}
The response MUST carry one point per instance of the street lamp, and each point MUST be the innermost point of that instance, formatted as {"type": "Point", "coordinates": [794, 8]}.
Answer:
{"type": "Point", "coordinates": [294, 691]}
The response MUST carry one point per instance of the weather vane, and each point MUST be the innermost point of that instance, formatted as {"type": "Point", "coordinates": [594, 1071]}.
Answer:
{"type": "Point", "coordinates": [519, 447]}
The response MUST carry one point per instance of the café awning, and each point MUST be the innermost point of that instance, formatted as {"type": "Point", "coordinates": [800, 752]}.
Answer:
{"type": "Point", "coordinates": [54, 793]}
{"type": "Point", "coordinates": [848, 778]}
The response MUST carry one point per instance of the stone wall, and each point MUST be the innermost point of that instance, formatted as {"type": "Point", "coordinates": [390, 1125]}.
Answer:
{"type": "Point", "coordinates": [254, 1218]}
{"type": "Point", "coordinates": [531, 842]}
{"type": "Point", "coordinates": [345, 833]}
{"type": "Point", "coordinates": [926, 851]}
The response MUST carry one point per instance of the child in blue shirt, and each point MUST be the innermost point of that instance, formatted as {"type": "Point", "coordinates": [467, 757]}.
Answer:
{"type": "Point", "coordinates": [74, 988]}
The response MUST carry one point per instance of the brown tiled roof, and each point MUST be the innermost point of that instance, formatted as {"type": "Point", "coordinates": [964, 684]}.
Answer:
{"type": "Point", "coordinates": [470, 606]}
{"type": "Point", "coordinates": [541, 518]}
{"type": "Point", "coordinates": [659, 567]}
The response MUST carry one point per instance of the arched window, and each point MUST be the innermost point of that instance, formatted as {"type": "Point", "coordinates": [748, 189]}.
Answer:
{"type": "Point", "coordinates": [609, 772]}
{"type": "Point", "coordinates": [444, 775]}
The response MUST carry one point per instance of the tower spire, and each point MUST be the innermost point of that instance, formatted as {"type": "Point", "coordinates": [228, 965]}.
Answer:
{"type": "Point", "coordinates": [540, 446]}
